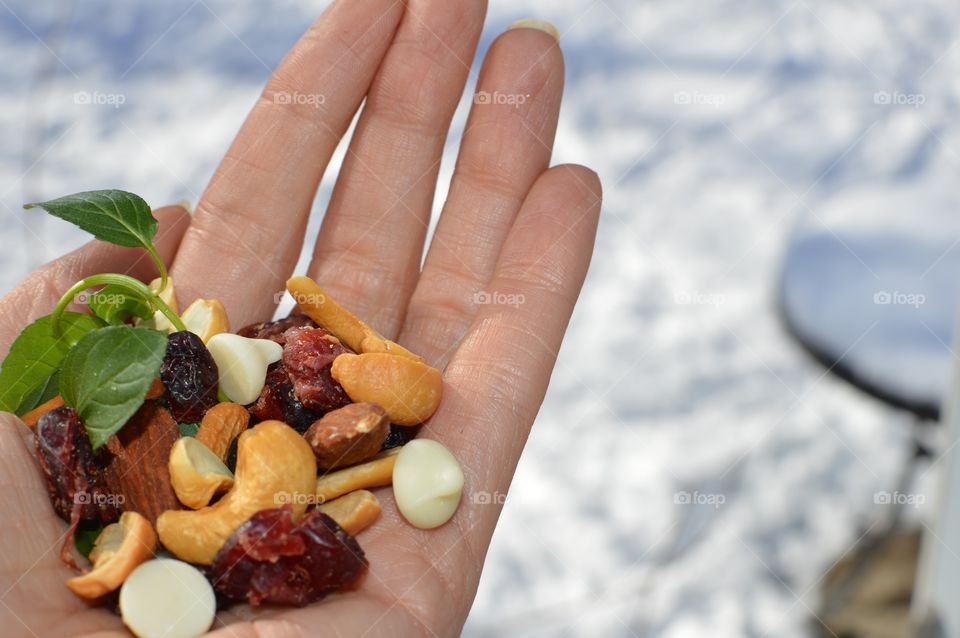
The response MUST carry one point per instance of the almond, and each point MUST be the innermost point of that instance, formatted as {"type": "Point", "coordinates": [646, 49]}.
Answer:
{"type": "Point", "coordinates": [349, 435]}
{"type": "Point", "coordinates": [408, 390]}
{"type": "Point", "coordinates": [136, 461]}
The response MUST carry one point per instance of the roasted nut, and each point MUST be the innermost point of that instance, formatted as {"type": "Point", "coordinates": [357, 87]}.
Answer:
{"type": "Point", "coordinates": [375, 473]}
{"type": "Point", "coordinates": [167, 598]}
{"type": "Point", "coordinates": [349, 435]}
{"type": "Point", "coordinates": [346, 326]}
{"type": "Point", "coordinates": [136, 462]}
{"type": "Point", "coordinates": [206, 318]}
{"type": "Point", "coordinates": [272, 459]}
{"type": "Point", "coordinates": [221, 425]}
{"type": "Point", "coordinates": [408, 390]}
{"type": "Point", "coordinates": [354, 512]}
{"type": "Point", "coordinates": [427, 483]}
{"type": "Point", "coordinates": [117, 551]}
{"type": "Point", "coordinates": [242, 363]}
{"type": "Point", "coordinates": [196, 473]}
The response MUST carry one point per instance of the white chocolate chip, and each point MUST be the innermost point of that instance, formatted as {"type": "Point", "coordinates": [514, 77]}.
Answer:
{"type": "Point", "coordinates": [427, 483]}
{"type": "Point", "coordinates": [242, 363]}
{"type": "Point", "coordinates": [167, 598]}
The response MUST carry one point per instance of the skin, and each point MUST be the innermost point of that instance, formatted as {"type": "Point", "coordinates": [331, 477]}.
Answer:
{"type": "Point", "coordinates": [511, 225]}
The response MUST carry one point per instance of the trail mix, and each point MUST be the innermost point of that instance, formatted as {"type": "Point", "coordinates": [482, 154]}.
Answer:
{"type": "Point", "coordinates": [197, 466]}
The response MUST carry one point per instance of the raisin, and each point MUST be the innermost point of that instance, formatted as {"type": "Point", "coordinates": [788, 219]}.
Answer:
{"type": "Point", "coordinates": [74, 478]}
{"type": "Point", "coordinates": [190, 375]}
{"type": "Point", "coordinates": [269, 559]}
{"type": "Point", "coordinates": [274, 330]}
{"type": "Point", "coordinates": [308, 356]}
{"type": "Point", "coordinates": [278, 401]}
{"type": "Point", "coordinates": [400, 435]}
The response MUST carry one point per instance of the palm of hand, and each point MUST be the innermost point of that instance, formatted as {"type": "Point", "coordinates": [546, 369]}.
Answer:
{"type": "Point", "coordinates": [510, 227]}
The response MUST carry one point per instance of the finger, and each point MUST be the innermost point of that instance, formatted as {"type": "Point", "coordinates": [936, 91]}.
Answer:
{"type": "Point", "coordinates": [38, 293]}
{"type": "Point", "coordinates": [371, 242]}
{"type": "Point", "coordinates": [496, 381]}
{"type": "Point", "coordinates": [250, 222]}
{"type": "Point", "coordinates": [507, 144]}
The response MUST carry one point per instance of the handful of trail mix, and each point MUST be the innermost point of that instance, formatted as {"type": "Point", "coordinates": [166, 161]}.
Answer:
{"type": "Point", "coordinates": [196, 466]}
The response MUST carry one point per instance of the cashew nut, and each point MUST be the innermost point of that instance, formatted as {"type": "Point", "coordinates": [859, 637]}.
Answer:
{"type": "Point", "coordinates": [196, 473]}
{"type": "Point", "coordinates": [408, 390]}
{"type": "Point", "coordinates": [117, 551]}
{"type": "Point", "coordinates": [272, 459]}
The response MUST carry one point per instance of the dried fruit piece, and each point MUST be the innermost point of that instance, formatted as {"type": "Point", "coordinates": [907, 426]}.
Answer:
{"type": "Point", "coordinates": [427, 483]}
{"type": "Point", "coordinates": [354, 512]}
{"type": "Point", "coordinates": [274, 330]}
{"type": "Point", "coordinates": [243, 364]}
{"type": "Point", "coordinates": [349, 435]}
{"type": "Point", "coordinates": [75, 482]}
{"type": "Point", "coordinates": [408, 390]}
{"type": "Point", "coordinates": [269, 559]}
{"type": "Point", "coordinates": [136, 459]}
{"type": "Point", "coordinates": [117, 551]}
{"type": "Point", "coordinates": [196, 473]}
{"type": "Point", "coordinates": [400, 435]}
{"type": "Point", "coordinates": [166, 598]}
{"type": "Point", "coordinates": [190, 375]}
{"type": "Point", "coordinates": [307, 357]}
{"type": "Point", "coordinates": [375, 473]}
{"type": "Point", "coordinates": [221, 425]}
{"type": "Point", "coordinates": [273, 462]}
{"type": "Point", "coordinates": [205, 318]}
{"type": "Point", "coordinates": [320, 307]}
{"type": "Point", "coordinates": [278, 401]}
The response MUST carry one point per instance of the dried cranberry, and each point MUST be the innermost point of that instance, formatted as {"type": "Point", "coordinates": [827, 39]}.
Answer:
{"type": "Point", "coordinates": [269, 559]}
{"type": "Point", "coordinates": [190, 375]}
{"type": "Point", "coordinates": [278, 401]}
{"type": "Point", "coordinates": [74, 478]}
{"type": "Point", "coordinates": [400, 435]}
{"type": "Point", "coordinates": [307, 356]}
{"type": "Point", "coordinates": [274, 330]}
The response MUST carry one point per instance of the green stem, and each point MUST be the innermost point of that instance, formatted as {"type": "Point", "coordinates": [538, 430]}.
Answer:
{"type": "Point", "coordinates": [155, 302]}
{"type": "Point", "coordinates": [160, 265]}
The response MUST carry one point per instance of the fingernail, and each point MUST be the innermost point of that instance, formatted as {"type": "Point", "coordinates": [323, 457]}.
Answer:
{"type": "Point", "coordinates": [186, 205]}
{"type": "Point", "coordinates": [540, 25]}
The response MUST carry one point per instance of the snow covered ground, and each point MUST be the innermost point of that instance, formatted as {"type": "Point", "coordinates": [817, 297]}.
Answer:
{"type": "Point", "coordinates": [691, 473]}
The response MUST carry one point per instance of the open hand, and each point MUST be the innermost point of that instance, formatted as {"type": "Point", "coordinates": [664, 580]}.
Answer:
{"type": "Point", "coordinates": [489, 305]}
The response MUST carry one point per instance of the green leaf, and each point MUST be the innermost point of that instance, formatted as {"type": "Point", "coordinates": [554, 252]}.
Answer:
{"type": "Point", "coordinates": [105, 376]}
{"type": "Point", "coordinates": [35, 355]}
{"type": "Point", "coordinates": [83, 539]}
{"type": "Point", "coordinates": [188, 429]}
{"type": "Point", "coordinates": [115, 216]}
{"type": "Point", "coordinates": [116, 304]}
{"type": "Point", "coordinates": [45, 392]}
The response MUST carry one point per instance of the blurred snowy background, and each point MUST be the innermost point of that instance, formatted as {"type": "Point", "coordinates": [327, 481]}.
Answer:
{"type": "Point", "coordinates": [692, 473]}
